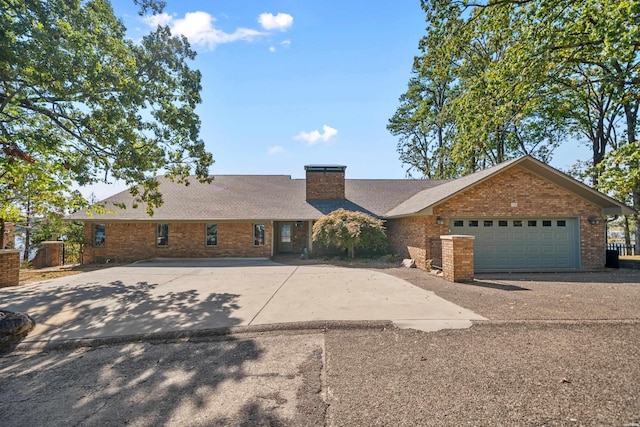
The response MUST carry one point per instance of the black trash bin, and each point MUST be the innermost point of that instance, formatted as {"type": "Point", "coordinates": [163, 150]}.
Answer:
{"type": "Point", "coordinates": [612, 259]}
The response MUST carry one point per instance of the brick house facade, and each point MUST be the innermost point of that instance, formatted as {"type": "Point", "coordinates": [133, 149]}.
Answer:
{"type": "Point", "coordinates": [416, 213]}
{"type": "Point", "coordinates": [535, 197]}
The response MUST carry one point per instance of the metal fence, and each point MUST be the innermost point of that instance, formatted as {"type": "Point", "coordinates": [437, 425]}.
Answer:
{"type": "Point", "coordinates": [71, 253]}
{"type": "Point", "coordinates": [623, 250]}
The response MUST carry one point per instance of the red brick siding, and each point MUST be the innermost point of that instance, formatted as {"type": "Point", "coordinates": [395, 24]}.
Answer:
{"type": "Point", "coordinates": [9, 267]}
{"type": "Point", "coordinates": [325, 185]}
{"type": "Point", "coordinates": [136, 241]}
{"type": "Point", "coordinates": [409, 237]}
{"type": "Point", "coordinates": [49, 255]}
{"type": "Point", "coordinates": [457, 258]}
{"type": "Point", "coordinates": [535, 196]}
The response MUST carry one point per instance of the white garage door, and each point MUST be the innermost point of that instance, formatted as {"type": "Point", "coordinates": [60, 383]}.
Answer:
{"type": "Point", "coordinates": [534, 244]}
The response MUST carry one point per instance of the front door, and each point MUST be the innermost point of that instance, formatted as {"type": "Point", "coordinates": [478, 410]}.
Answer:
{"type": "Point", "coordinates": [285, 243]}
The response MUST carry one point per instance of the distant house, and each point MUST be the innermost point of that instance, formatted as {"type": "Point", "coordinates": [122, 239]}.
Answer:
{"type": "Point", "coordinates": [524, 215]}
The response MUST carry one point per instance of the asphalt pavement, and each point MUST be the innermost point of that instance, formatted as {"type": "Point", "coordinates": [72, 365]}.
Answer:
{"type": "Point", "coordinates": [557, 350]}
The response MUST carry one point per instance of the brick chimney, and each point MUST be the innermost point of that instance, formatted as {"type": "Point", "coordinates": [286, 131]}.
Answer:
{"type": "Point", "coordinates": [325, 182]}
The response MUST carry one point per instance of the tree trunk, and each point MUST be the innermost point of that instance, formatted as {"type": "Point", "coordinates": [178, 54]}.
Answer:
{"type": "Point", "coordinates": [2, 243]}
{"type": "Point", "coordinates": [627, 235]}
{"type": "Point", "coordinates": [352, 250]}
{"type": "Point", "coordinates": [636, 205]}
{"type": "Point", "coordinates": [27, 232]}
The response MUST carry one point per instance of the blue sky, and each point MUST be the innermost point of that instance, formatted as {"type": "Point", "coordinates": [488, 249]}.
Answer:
{"type": "Point", "coordinates": [290, 83]}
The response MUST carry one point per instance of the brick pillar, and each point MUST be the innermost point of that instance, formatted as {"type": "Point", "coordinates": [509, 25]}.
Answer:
{"type": "Point", "coordinates": [457, 258]}
{"type": "Point", "coordinates": [9, 267]}
{"type": "Point", "coordinates": [49, 255]}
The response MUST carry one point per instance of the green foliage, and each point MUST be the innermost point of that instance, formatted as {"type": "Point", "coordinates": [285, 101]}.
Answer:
{"type": "Point", "coordinates": [391, 259]}
{"type": "Point", "coordinates": [521, 76]}
{"type": "Point", "coordinates": [350, 230]}
{"type": "Point", "coordinates": [424, 121]}
{"type": "Point", "coordinates": [620, 172]}
{"type": "Point", "coordinates": [79, 102]}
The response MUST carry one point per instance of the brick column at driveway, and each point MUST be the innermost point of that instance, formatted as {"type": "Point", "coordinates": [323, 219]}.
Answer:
{"type": "Point", "coordinates": [9, 267]}
{"type": "Point", "coordinates": [457, 258]}
{"type": "Point", "coordinates": [49, 255]}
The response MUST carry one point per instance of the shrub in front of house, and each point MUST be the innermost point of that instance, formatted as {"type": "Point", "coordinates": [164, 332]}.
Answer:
{"type": "Point", "coordinates": [350, 230]}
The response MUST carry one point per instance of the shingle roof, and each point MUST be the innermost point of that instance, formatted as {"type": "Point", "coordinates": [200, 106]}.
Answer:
{"type": "Point", "coordinates": [432, 197]}
{"type": "Point", "coordinates": [253, 197]}
{"type": "Point", "coordinates": [278, 197]}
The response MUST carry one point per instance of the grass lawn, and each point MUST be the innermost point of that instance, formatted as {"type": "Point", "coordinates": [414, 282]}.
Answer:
{"type": "Point", "coordinates": [30, 275]}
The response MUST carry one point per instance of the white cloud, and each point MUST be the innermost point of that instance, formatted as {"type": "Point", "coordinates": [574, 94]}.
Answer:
{"type": "Point", "coordinates": [285, 43]}
{"type": "Point", "coordinates": [281, 21]}
{"type": "Point", "coordinates": [159, 19]}
{"type": "Point", "coordinates": [199, 28]}
{"type": "Point", "coordinates": [272, 49]}
{"type": "Point", "coordinates": [315, 135]}
{"type": "Point", "coordinates": [276, 149]}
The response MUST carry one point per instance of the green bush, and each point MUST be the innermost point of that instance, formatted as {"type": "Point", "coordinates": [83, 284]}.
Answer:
{"type": "Point", "coordinates": [350, 230]}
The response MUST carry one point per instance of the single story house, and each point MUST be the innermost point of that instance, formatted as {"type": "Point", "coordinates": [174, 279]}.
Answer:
{"type": "Point", "coordinates": [525, 216]}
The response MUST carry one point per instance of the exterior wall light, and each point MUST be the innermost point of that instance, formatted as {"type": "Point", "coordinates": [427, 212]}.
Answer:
{"type": "Point", "coordinates": [440, 220]}
{"type": "Point", "coordinates": [594, 220]}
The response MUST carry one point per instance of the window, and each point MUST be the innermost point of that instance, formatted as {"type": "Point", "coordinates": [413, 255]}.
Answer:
{"type": "Point", "coordinates": [488, 223]}
{"type": "Point", "coordinates": [258, 234]}
{"type": "Point", "coordinates": [517, 223]}
{"type": "Point", "coordinates": [162, 235]}
{"type": "Point", "coordinates": [473, 223]}
{"type": "Point", "coordinates": [532, 223]}
{"type": "Point", "coordinates": [458, 223]}
{"type": "Point", "coordinates": [285, 233]}
{"type": "Point", "coordinates": [546, 223]}
{"type": "Point", "coordinates": [212, 235]}
{"type": "Point", "coordinates": [502, 223]}
{"type": "Point", "coordinates": [99, 234]}
{"type": "Point", "coordinates": [562, 223]}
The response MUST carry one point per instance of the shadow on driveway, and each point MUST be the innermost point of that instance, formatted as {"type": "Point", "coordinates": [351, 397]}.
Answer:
{"type": "Point", "coordinates": [69, 311]}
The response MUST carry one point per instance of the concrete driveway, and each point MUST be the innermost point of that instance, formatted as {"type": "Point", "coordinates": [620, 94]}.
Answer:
{"type": "Point", "coordinates": [174, 295]}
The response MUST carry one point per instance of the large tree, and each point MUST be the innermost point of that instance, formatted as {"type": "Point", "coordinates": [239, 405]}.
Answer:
{"type": "Point", "coordinates": [531, 73]}
{"type": "Point", "coordinates": [424, 120]}
{"type": "Point", "coordinates": [81, 102]}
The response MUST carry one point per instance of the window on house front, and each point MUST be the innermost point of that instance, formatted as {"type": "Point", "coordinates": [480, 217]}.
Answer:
{"type": "Point", "coordinates": [546, 223]}
{"type": "Point", "coordinates": [162, 235]}
{"type": "Point", "coordinates": [488, 223]}
{"type": "Point", "coordinates": [473, 223]}
{"type": "Point", "coordinates": [258, 234]}
{"type": "Point", "coordinates": [532, 223]}
{"type": "Point", "coordinates": [517, 223]}
{"type": "Point", "coordinates": [212, 235]}
{"type": "Point", "coordinates": [99, 234]}
{"type": "Point", "coordinates": [458, 223]}
{"type": "Point", "coordinates": [502, 223]}
{"type": "Point", "coordinates": [562, 223]}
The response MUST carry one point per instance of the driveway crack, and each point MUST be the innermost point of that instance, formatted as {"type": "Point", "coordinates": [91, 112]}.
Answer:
{"type": "Point", "coordinates": [271, 297]}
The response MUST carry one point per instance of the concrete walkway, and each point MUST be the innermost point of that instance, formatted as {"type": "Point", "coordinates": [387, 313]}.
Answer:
{"type": "Point", "coordinates": [173, 295]}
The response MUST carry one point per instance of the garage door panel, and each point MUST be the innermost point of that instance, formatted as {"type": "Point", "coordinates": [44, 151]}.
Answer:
{"type": "Point", "coordinates": [522, 244]}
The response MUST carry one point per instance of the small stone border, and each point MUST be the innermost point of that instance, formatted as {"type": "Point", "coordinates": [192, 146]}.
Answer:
{"type": "Point", "coordinates": [212, 334]}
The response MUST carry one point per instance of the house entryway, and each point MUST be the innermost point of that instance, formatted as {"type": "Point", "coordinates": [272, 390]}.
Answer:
{"type": "Point", "coordinates": [510, 244]}
{"type": "Point", "coordinates": [291, 237]}
{"type": "Point", "coordinates": [285, 237]}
